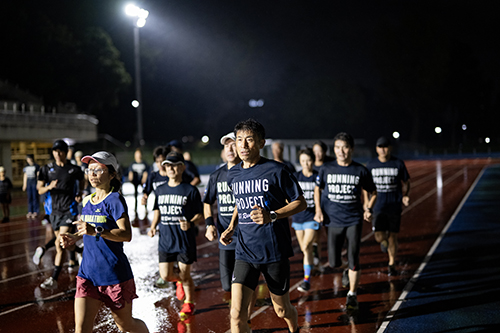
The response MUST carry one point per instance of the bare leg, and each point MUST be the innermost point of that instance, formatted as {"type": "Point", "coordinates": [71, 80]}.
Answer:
{"type": "Point", "coordinates": [86, 309]}
{"type": "Point", "coordinates": [284, 309]}
{"type": "Point", "coordinates": [167, 271]}
{"type": "Point", "coordinates": [187, 281]}
{"type": "Point", "coordinates": [126, 323]}
{"type": "Point", "coordinates": [240, 299]}
{"type": "Point", "coordinates": [392, 249]}
{"type": "Point", "coordinates": [354, 280]}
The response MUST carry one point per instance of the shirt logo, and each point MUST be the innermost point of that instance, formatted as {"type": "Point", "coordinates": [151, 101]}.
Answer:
{"type": "Point", "coordinates": [70, 171]}
{"type": "Point", "coordinates": [98, 210]}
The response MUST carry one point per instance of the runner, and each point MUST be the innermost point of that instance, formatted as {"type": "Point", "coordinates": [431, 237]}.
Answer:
{"type": "Point", "coordinates": [392, 180]}
{"type": "Point", "coordinates": [338, 205]}
{"type": "Point", "coordinates": [137, 175]}
{"type": "Point", "coordinates": [5, 194]}
{"type": "Point", "coordinates": [266, 194]}
{"type": "Point", "coordinates": [305, 227]}
{"type": "Point", "coordinates": [177, 210]}
{"type": "Point", "coordinates": [105, 275]}
{"type": "Point", "coordinates": [59, 178]}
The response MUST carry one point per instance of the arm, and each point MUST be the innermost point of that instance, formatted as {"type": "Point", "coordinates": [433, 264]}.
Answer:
{"type": "Point", "coordinates": [25, 181]}
{"type": "Point", "coordinates": [130, 176]}
{"type": "Point", "coordinates": [318, 217]}
{"type": "Point", "coordinates": [369, 206]}
{"type": "Point", "coordinates": [154, 223]}
{"type": "Point", "coordinates": [42, 189]}
{"type": "Point", "coordinates": [122, 234]}
{"type": "Point", "coordinates": [144, 177]}
{"type": "Point", "coordinates": [406, 193]}
{"type": "Point", "coordinates": [226, 237]}
{"type": "Point", "coordinates": [261, 216]}
{"type": "Point", "coordinates": [196, 181]}
{"type": "Point", "coordinates": [211, 231]}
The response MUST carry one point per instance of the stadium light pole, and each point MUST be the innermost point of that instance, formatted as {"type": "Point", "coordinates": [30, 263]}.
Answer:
{"type": "Point", "coordinates": [140, 15]}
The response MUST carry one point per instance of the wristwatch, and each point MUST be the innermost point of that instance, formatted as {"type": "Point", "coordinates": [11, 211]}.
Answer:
{"type": "Point", "coordinates": [273, 216]}
{"type": "Point", "coordinates": [99, 230]}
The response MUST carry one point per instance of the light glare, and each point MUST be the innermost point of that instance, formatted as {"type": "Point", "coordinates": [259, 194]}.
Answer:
{"type": "Point", "coordinates": [205, 139]}
{"type": "Point", "coordinates": [438, 130]}
{"type": "Point", "coordinates": [395, 135]}
{"type": "Point", "coordinates": [487, 140]}
{"type": "Point", "coordinates": [464, 127]}
{"type": "Point", "coordinates": [132, 10]}
{"type": "Point", "coordinates": [140, 22]}
{"type": "Point", "coordinates": [135, 103]}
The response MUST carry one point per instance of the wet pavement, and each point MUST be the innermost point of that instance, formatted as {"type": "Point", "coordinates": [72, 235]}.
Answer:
{"type": "Point", "coordinates": [438, 188]}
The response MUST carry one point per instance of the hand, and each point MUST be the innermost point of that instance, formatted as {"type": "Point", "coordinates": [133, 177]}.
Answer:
{"type": "Point", "coordinates": [259, 215]}
{"type": "Point", "coordinates": [144, 199]}
{"type": "Point", "coordinates": [152, 232]}
{"type": "Point", "coordinates": [367, 215]}
{"type": "Point", "coordinates": [406, 200]}
{"type": "Point", "coordinates": [67, 239]}
{"type": "Point", "coordinates": [184, 224]}
{"type": "Point", "coordinates": [84, 228]}
{"type": "Point", "coordinates": [227, 237]}
{"type": "Point", "coordinates": [24, 188]}
{"type": "Point", "coordinates": [318, 217]}
{"type": "Point", "coordinates": [211, 233]}
{"type": "Point", "coordinates": [52, 184]}
{"type": "Point", "coordinates": [78, 197]}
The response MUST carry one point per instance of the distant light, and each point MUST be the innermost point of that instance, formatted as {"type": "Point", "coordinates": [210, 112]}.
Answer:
{"type": "Point", "coordinates": [438, 130]}
{"type": "Point", "coordinates": [487, 140]}
{"type": "Point", "coordinates": [464, 127]}
{"type": "Point", "coordinates": [143, 13]}
{"type": "Point", "coordinates": [256, 103]}
{"type": "Point", "coordinates": [132, 10]}
{"type": "Point", "coordinates": [140, 22]}
{"type": "Point", "coordinates": [205, 139]}
{"type": "Point", "coordinates": [135, 103]}
{"type": "Point", "coordinates": [395, 135]}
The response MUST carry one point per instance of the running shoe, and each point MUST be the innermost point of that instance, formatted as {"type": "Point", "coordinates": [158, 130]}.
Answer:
{"type": "Point", "coordinates": [304, 286]}
{"type": "Point", "coordinates": [180, 292]}
{"type": "Point", "coordinates": [315, 254]}
{"type": "Point", "coordinates": [352, 302]}
{"type": "Point", "coordinates": [391, 271]}
{"type": "Point", "coordinates": [160, 283]}
{"type": "Point", "coordinates": [38, 255]}
{"type": "Point", "coordinates": [50, 283]}
{"type": "Point", "coordinates": [187, 310]}
{"type": "Point", "coordinates": [383, 246]}
{"type": "Point", "coordinates": [345, 278]}
{"type": "Point", "coordinates": [72, 268]}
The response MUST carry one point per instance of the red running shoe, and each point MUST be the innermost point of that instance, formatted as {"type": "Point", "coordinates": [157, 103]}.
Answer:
{"type": "Point", "coordinates": [187, 310]}
{"type": "Point", "coordinates": [180, 291]}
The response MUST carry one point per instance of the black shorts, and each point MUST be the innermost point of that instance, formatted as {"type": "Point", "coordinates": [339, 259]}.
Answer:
{"type": "Point", "coordinates": [386, 222]}
{"type": "Point", "coordinates": [276, 274]}
{"type": "Point", "coordinates": [65, 220]}
{"type": "Point", "coordinates": [336, 239]}
{"type": "Point", "coordinates": [185, 258]}
{"type": "Point", "coordinates": [227, 259]}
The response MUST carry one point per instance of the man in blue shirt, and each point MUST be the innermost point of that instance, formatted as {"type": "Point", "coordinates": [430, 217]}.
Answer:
{"type": "Point", "coordinates": [393, 186]}
{"type": "Point", "coordinates": [338, 205]}
{"type": "Point", "coordinates": [266, 193]}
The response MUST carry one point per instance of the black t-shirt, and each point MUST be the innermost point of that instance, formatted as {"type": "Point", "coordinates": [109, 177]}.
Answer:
{"type": "Point", "coordinates": [307, 184]}
{"type": "Point", "coordinates": [218, 190]}
{"type": "Point", "coordinates": [270, 185]}
{"type": "Point", "coordinates": [341, 196]}
{"type": "Point", "coordinates": [64, 192]}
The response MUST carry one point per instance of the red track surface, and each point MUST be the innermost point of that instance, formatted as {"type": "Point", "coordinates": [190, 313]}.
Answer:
{"type": "Point", "coordinates": [437, 189]}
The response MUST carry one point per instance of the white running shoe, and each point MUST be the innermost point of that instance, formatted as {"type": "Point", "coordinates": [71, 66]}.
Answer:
{"type": "Point", "coordinates": [38, 255]}
{"type": "Point", "coordinates": [50, 283]}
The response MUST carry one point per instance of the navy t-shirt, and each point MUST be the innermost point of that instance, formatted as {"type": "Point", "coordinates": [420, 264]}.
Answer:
{"type": "Point", "coordinates": [154, 180]}
{"type": "Point", "coordinates": [63, 195]}
{"type": "Point", "coordinates": [307, 184]}
{"type": "Point", "coordinates": [270, 185]}
{"type": "Point", "coordinates": [190, 172]}
{"type": "Point", "coordinates": [218, 190]}
{"type": "Point", "coordinates": [103, 261]}
{"type": "Point", "coordinates": [183, 200]}
{"type": "Point", "coordinates": [341, 196]}
{"type": "Point", "coordinates": [388, 178]}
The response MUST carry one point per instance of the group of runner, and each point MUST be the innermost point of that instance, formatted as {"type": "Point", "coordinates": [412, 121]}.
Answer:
{"type": "Point", "coordinates": [255, 196]}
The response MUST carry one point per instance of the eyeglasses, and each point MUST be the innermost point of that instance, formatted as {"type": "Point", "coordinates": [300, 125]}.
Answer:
{"type": "Point", "coordinates": [97, 172]}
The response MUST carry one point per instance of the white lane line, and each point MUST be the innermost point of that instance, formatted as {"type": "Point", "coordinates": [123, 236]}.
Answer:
{"type": "Point", "coordinates": [25, 275]}
{"type": "Point", "coordinates": [38, 300]}
{"type": "Point", "coordinates": [21, 241]}
{"type": "Point", "coordinates": [413, 280]}
{"type": "Point", "coordinates": [13, 257]}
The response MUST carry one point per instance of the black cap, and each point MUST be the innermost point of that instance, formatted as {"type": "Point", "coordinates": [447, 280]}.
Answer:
{"type": "Point", "coordinates": [173, 158]}
{"type": "Point", "coordinates": [61, 145]}
{"type": "Point", "coordinates": [383, 142]}
{"type": "Point", "coordinates": [30, 156]}
{"type": "Point", "coordinates": [176, 143]}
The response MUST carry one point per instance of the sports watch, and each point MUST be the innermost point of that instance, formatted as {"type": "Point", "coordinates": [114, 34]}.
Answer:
{"type": "Point", "coordinates": [273, 216]}
{"type": "Point", "coordinates": [99, 230]}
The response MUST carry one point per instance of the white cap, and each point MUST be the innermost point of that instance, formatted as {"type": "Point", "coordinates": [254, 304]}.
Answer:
{"type": "Point", "coordinates": [102, 157]}
{"type": "Point", "coordinates": [227, 137]}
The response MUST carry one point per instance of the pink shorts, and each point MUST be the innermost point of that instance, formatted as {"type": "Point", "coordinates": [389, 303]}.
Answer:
{"type": "Point", "coordinates": [114, 296]}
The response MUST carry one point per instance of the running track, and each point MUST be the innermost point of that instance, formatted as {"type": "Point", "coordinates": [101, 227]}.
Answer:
{"type": "Point", "coordinates": [438, 190]}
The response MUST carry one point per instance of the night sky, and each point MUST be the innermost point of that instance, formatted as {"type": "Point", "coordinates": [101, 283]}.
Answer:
{"type": "Point", "coordinates": [367, 67]}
